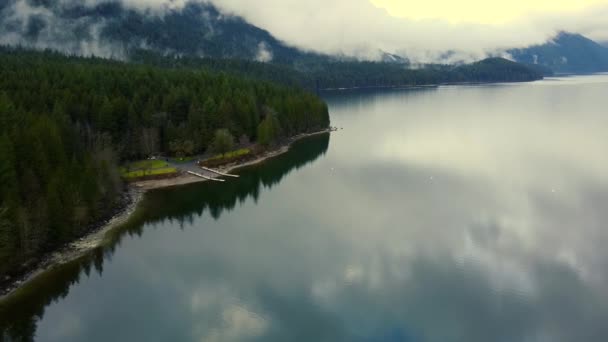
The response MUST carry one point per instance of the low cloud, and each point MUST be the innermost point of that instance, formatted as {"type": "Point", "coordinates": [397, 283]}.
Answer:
{"type": "Point", "coordinates": [264, 53]}
{"type": "Point", "coordinates": [356, 27]}
{"type": "Point", "coordinates": [347, 27]}
{"type": "Point", "coordinates": [24, 24]}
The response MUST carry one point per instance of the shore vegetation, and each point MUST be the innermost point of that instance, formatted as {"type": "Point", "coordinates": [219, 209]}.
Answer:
{"type": "Point", "coordinates": [66, 123]}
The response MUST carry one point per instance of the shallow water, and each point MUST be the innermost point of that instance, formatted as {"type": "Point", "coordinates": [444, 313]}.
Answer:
{"type": "Point", "coordinates": [461, 213]}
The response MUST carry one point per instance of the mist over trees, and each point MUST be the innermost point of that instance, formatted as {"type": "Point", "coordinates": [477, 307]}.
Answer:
{"type": "Point", "coordinates": [199, 30]}
{"type": "Point", "coordinates": [111, 29]}
{"type": "Point", "coordinates": [566, 53]}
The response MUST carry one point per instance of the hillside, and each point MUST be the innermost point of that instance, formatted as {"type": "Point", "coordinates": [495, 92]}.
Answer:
{"type": "Point", "coordinates": [342, 74]}
{"type": "Point", "coordinates": [109, 29]}
{"type": "Point", "coordinates": [199, 35]}
{"type": "Point", "coordinates": [566, 53]}
{"type": "Point", "coordinates": [373, 74]}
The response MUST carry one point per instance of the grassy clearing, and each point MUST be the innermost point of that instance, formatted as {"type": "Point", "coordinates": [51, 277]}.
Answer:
{"type": "Point", "coordinates": [147, 164]}
{"type": "Point", "coordinates": [230, 155]}
{"type": "Point", "coordinates": [146, 168]}
{"type": "Point", "coordinates": [153, 172]}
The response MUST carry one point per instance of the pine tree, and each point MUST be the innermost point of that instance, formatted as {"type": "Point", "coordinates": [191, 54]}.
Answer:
{"type": "Point", "coordinates": [223, 141]}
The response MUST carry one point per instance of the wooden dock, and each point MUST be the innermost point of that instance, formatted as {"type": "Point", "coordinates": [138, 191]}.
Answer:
{"type": "Point", "coordinates": [219, 173]}
{"type": "Point", "coordinates": [205, 177]}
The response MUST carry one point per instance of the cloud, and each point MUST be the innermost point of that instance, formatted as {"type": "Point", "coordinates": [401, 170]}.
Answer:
{"type": "Point", "coordinates": [357, 27]}
{"type": "Point", "coordinates": [23, 23]}
{"type": "Point", "coordinates": [264, 53]}
{"type": "Point", "coordinates": [349, 27]}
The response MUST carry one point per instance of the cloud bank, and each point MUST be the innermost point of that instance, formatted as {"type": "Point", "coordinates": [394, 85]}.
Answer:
{"type": "Point", "coordinates": [357, 27]}
{"type": "Point", "coordinates": [348, 27]}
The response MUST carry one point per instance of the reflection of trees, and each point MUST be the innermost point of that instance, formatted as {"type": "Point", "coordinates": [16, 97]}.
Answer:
{"type": "Point", "coordinates": [19, 313]}
{"type": "Point", "coordinates": [186, 203]}
{"type": "Point", "coordinates": [362, 96]}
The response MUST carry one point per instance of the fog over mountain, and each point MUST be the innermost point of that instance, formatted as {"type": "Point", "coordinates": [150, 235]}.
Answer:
{"type": "Point", "coordinates": [358, 27]}
{"type": "Point", "coordinates": [566, 52]}
{"type": "Point", "coordinates": [339, 27]}
{"type": "Point", "coordinates": [113, 29]}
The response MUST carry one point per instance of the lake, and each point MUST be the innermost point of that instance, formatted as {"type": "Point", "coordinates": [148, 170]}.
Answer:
{"type": "Point", "coordinates": [457, 213]}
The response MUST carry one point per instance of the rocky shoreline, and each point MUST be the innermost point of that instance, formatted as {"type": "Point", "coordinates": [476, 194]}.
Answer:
{"type": "Point", "coordinates": [128, 203]}
{"type": "Point", "coordinates": [91, 239]}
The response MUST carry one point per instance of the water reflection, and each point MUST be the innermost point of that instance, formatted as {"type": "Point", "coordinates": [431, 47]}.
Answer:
{"type": "Point", "coordinates": [192, 201]}
{"type": "Point", "coordinates": [19, 314]}
{"type": "Point", "coordinates": [448, 214]}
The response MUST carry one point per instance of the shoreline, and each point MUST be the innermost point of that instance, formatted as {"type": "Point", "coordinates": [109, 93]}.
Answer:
{"type": "Point", "coordinates": [136, 191]}
{"type": "Point", "coordinates": [184, 178]}
{"type": "Point", "coordinates": [424, 86]}
{"type": "Point", "coordinates": [77, 248]}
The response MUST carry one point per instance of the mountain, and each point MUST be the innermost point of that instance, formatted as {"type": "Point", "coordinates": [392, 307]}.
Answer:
{"type": "Point", "coordinates": [386, 57]}
{"type": "Point", "coordinates": [566, 53]}
{"type": "Point", "coordinates": [181, 37]}
{"type": "Point", "coordinates": [110, 29]}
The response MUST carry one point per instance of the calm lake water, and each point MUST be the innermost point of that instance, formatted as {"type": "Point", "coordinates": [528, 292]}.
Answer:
{"type": "Point", "coordinates": [461, 213]}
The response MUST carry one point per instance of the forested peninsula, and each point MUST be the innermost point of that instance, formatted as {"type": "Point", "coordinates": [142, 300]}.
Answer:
{"type": "Point", "coordinates": [66, 123]}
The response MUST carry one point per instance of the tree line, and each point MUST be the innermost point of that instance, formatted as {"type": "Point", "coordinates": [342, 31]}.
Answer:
{"type": "Point", "coordinates": [66, 122]}
{"type": "Point", "coordinates": [326, 73]}
{"type": "Point", "coordinates": [354, 74]}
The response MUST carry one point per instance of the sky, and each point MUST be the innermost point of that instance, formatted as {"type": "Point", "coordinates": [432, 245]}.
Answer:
{"type": "Point", "coordinates": [424, 30]}
{"type": "Point", "coordinates": [480, 11]}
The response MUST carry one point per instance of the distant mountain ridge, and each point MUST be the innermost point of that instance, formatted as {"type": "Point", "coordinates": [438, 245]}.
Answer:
{"type": "Point", "coordinates": [566, 53]}
{"type": "Point", "coordinates": [198, 29]}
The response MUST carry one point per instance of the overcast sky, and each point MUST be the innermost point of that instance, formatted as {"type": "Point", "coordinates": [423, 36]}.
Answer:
{"type": "Point", "coordinates": [421, 27]}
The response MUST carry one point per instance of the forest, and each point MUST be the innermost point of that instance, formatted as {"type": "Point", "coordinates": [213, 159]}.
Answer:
{"type": "Point", "coordinates": [356, 74]}
{"type": "Point", "coordinates": [317, 74]}
{"type": "Point", "coordinates": [66, 123]}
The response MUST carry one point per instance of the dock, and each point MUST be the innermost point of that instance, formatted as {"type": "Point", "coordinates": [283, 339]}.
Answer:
{"type": "Point", "coordinates": [205, 177]}
{"type": "Point", "coordinates": [219, 173]}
